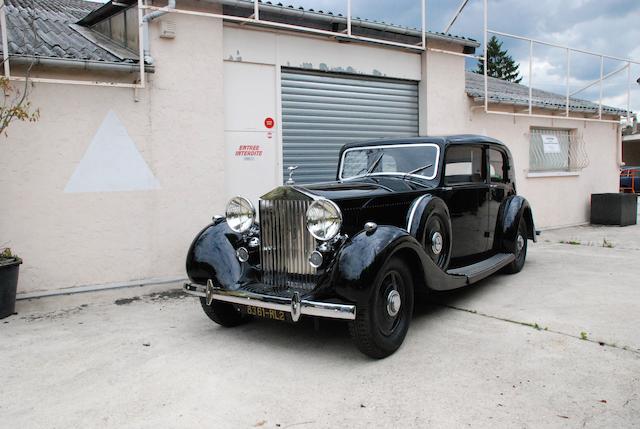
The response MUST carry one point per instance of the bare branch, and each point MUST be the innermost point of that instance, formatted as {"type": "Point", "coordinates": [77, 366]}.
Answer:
{"type": "Point", "coordinates": [19, 106]}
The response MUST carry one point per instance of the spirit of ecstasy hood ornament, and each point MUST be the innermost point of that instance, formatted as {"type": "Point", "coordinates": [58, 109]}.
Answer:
{"type": "Point", "coordinates": [291, 169]}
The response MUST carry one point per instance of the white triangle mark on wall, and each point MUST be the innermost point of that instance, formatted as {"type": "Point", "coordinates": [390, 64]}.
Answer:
{"type": "Point", "coordinates": [112, 163]}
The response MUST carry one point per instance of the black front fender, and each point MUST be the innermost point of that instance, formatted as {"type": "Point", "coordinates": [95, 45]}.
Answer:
{"type": "Point", "coordinates": [361, 258]}
{"type": "Point", "coordinates": [359, 261]}
{"type": "Point", "coordinates": [212, 255]}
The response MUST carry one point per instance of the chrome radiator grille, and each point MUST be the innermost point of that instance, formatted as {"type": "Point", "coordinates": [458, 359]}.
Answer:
{"type": "Point", "coordinates": [286, 244]}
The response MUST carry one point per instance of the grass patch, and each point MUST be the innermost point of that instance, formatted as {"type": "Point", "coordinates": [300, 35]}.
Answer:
{"type": "Point", "coordinates": [572, 242]}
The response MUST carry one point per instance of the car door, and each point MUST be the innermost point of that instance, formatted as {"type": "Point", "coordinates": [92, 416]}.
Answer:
{"type": "Point", "coordinates": [467, 198]}
{"type": "Point", "coordinates": [498, 188]}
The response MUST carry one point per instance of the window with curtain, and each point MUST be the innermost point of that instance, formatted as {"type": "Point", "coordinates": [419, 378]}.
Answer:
{"type": "Point", "coordinates": [556, 149]}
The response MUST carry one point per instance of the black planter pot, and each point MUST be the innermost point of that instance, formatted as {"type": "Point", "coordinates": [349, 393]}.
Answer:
{"type": "Point", "coordinates": [8, 285]}
{"type": "Point", "coordinates": [614, 209]}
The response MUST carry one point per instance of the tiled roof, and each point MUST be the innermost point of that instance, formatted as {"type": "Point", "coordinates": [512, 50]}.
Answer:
{"type": "Point", "coordinates": [54, 35]}
{"type": "Point", "coordinates": [510, 93]}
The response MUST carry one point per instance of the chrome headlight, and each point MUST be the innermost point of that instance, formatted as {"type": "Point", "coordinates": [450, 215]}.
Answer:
{"type": "Point", "coordinates": [324, 219]}
{"type": "Point", "coordinates": [240, 214]}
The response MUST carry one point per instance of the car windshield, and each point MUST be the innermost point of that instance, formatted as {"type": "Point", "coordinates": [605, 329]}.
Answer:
{"type": "Point", "coordinates": [409, 159]}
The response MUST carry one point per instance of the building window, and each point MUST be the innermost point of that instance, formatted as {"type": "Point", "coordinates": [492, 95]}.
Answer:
{"type": "Point", "coordinates": [555, 149]}
{"type": "Point", "coordinates": [122, 28]}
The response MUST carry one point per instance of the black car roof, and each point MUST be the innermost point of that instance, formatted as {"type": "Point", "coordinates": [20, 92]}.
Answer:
{"type": "Point", "coordinates": [440, 140]}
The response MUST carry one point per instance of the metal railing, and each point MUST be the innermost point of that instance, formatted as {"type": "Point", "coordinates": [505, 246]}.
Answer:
{"type": "Point", "coordinates": [253, 19]}
{"type": "Point", "coordinates": [568, 93]}
{"type": "Point", "coordinates": [348, 34]}
{"type": "Point", "coordinates": [256, 19]}
{"type": "Point", "coordinates": [630, 180]}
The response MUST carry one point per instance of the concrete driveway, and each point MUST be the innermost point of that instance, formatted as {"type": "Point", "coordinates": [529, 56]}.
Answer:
{"type": "Point", "coordinates": [557, 345]}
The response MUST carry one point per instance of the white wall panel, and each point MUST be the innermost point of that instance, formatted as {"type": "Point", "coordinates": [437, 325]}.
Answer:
{"type": "Point", "coordinates": [317, 53]}
{"type": "Point", "coordinates": [250, 147]}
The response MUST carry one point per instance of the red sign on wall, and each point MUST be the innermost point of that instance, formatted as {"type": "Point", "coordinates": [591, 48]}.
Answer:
{"type": "Point", "coordinates": [269, 122]}
{"type": "Point", "coordinates": [249, 150]}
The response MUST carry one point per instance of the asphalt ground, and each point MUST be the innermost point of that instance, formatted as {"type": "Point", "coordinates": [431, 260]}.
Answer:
{"type": "Point", "coordinates": [557, 345]}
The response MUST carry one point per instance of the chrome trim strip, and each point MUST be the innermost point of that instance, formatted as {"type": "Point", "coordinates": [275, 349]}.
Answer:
{"type": "Point", "coordinates": [396, 173]}
{"type": "Point", "coordinates": [414, 207]}
{"type": "Point", "coordinates": [306, 307]}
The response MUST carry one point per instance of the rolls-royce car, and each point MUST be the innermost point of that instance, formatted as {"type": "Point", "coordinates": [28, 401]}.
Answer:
{"type": "Point", "coordinates": [404, 217]}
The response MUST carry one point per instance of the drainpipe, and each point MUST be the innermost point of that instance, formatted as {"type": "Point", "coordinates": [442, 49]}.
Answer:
{"type": "Point", "coordinates": [171, 4]}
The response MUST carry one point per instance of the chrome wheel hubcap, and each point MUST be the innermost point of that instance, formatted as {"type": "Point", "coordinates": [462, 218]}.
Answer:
{"type": "Point", "coordinates": [520, 243]}
{"type": "Point", "coordinates": [393, 303]}
{"type": "Point", "coordinates": [436, 243]}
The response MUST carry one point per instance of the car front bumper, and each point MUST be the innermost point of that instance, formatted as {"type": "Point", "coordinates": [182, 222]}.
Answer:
{"type": "Point", "coordinates": [294, 306]}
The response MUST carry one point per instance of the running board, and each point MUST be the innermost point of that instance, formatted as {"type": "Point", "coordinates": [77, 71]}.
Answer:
{"type": "Point", "coordinates": [482, 269]}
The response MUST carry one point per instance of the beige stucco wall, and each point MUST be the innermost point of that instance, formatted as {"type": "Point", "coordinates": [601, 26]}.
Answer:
{"type": "Point", "coordinates": [442, 92]}
{"type": "Point", "coordinates": [286, 49]}
{"type": "Point", "coordinates": [73, 239]}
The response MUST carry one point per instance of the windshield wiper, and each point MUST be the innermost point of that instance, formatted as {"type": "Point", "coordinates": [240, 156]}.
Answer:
{"type": "Point", "coordinates": [424, 167]}
{"type": "Point", "coordinates": [368, 170]}
{"type": "Point", "coordinates": [375, 163]}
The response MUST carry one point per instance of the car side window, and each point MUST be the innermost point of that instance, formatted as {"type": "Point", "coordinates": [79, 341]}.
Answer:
{"type": "Point", "coordinates": [464, 164]}
{"type": "Point", "coordinates": [497, 166]}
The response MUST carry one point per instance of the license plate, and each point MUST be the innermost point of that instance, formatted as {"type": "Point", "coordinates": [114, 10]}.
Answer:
{"type": "Point", "coordinates": [267, 313]}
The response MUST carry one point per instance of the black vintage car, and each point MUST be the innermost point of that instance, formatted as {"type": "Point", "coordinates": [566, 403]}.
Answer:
{"type": "Point", "coordinates": [403, 217]}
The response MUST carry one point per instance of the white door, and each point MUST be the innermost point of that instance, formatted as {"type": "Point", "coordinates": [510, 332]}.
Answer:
{"type": "Point", "coordinates": [250, 143]}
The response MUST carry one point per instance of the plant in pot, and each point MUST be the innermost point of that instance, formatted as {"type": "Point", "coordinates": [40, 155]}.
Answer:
{"type": "Point", "coordinates": [9, 264]}
{"type": "Point", "coordinates": [13, 106]}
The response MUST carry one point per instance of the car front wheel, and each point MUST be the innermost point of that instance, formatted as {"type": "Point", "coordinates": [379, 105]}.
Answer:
{"type": "Point", "coordinates": [381, 325]}
{"type": "Point", "coordinates": [223, 314]}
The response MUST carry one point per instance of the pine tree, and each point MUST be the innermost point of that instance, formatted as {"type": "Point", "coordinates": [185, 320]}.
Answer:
{"type": "Point", "coordinates": [501, 65]}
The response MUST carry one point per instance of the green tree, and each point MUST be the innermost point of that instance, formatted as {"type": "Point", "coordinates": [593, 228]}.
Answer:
{"type": "Point", "coordinates": [501, 65]}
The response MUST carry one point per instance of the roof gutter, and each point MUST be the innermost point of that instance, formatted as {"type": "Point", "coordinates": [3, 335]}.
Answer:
{"type": "Point", "coordinates": [335, 19]}
{"type": "Point", "coordinates": [574, 109]}
{"type": "Point", "coordinates": [145, 28]}
{"type": "Point", "coordinates": [80, 65]}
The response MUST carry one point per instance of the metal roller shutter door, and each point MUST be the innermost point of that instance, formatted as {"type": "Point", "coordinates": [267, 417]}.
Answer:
{"type": "Point", "coordinates": [323, 111]}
